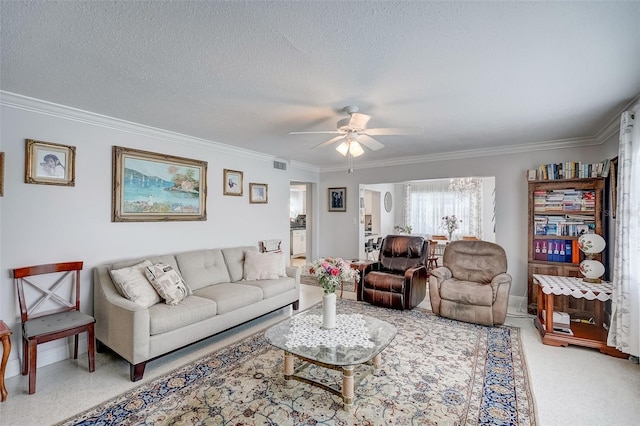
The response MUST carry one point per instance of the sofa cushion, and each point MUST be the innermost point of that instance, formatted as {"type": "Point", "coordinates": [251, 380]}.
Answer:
{"type": "Point", "coordinates": [202, 268]}
{"type": "Point", "coordinates": [271, 288]}
{"type": "Point", "coordinates": [467, 292]}
{"type": "Point", "coordinates": [230, 296]}
{"type": "Point", "coordinates": [167, 282]}
{"type": "Point", "coordinates": [132, 283]}
{"type": "Point", "coordinates": [261, 266]}
{"type": "Point", "coordinates": [234, 257]}
{"type": "Point", "coordinates": [191, 310]}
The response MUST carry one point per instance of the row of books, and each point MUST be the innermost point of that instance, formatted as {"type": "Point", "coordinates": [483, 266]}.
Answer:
{"type": "Point", "coordinates": [557, 251]}
{"type": "Point", "coordinates": [570, 170]}
{"type": "Point", "coordinates": [566, 225]}
{"type": "Point", "coordinates": [564, 199]}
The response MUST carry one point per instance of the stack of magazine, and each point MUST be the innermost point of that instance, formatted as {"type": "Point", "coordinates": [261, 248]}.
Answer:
{"type": "Point", "coordinates": [561, 322]}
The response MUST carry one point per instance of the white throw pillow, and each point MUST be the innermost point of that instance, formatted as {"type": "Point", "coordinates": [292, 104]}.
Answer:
{"type": "Point", "coordinates": [261, 266]}
{"type": "Point", "coordinates": [167, 282]}
{"type": "Point", "coordinates": [132, 283]}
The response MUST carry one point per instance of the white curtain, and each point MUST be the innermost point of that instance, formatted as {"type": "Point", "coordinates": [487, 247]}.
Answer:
{"type": "Point", "coordinates": [624, 332]}
{"type": "Point", "coordinates": [427, 202]}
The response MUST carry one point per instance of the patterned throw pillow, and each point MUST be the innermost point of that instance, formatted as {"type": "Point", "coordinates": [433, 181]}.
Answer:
{"type": "Point", "coordinates": [167, 282]}
{"type": "Point", "coordinates": [132, 284]}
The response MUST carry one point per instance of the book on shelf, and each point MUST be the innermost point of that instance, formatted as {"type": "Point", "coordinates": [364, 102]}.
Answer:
{"type": "Point", "coordinates": [570, 170]}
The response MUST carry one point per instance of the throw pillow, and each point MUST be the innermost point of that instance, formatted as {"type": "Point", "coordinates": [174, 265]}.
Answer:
{"type": "Point", "coordinates": [261, 266]}
{"type": "Point", "coordinates": [132, 283]}
{"type": "Point", "coordinates": [167, 282]}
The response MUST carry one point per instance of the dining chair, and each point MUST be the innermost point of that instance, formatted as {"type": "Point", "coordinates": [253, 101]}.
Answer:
{"type": "Point", "coordinates": [470, 238]}
{"type": "Point", "coordinates": [271, 246]}
{"type": "Point", "coordinates": [439, 237]}
{"type": "Point", "coordinates": [368, 248]}
{"type": "Point", "coordinates": [432, 260]}
{"type": "Point", "coordinates": [50, 310]}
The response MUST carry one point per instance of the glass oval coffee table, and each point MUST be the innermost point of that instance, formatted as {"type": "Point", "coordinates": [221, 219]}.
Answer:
{"type": "Point", "coordinates": [357, 340]}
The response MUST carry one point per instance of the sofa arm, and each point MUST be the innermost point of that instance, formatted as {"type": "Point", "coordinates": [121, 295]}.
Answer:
{"type": "Point", "coordinates": [441, 274]}
{"type": "Point", "coordinates": [436, 277]}
{"type": "Point", "coordinates": [122, 325]}
{"type": "Point", "coordinates": [500, 286]}
{"type": "Point", "coordinates": [294, 272]}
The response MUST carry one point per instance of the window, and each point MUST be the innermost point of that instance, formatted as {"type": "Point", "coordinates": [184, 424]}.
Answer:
{"type": "Point", "coordinates": [427, 202]}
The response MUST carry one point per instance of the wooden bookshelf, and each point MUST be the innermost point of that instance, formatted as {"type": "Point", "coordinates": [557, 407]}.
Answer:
{"type": "Point", "coordinates": [559, 211]}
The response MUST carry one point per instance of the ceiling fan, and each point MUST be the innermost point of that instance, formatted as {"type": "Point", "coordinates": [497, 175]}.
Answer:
{"type": "Point", "coordinates": [353, 131]}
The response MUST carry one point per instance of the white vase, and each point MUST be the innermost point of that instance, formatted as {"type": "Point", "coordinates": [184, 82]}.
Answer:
{"type": "Point", "coordinates": [329, 311]}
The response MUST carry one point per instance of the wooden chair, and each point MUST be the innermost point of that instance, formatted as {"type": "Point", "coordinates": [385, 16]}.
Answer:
{"type": "Point", "coordinates": [470, 238]}
{"type": "Point", "coordinates": [51, 311]}
{"type": "Point", "coordinates": [432, 260]}
{"type": "Point", "coordinates": [439, 237]}
{"type": "Point", "coordinates": [368, 248]}
{"type": "Point", "coordinates": [271, 246]}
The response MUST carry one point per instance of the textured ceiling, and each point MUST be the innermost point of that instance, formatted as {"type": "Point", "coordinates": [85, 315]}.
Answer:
{"type": "Point", "coordinates": [473, 74]}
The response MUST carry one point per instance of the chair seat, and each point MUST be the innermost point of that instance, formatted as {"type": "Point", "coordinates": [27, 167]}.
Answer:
{"type": "Point", "coordinates": [56, 322]}
{"type": "Point", "coordinates": [384, 281]}
{"type": "Point", "coordinates": [467, 292]}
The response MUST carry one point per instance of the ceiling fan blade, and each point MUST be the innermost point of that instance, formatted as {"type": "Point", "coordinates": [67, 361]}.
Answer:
{"type": "Point", "coordinates": [359, 121]}
{"type": "Point", "coordinates": [369, 142]}
{"type": "Point", "coordinates": [313, 133]}
{"type": "Point", "coordinates": [389, 131]}
{"type": "Point", "coordinates": [329, 142]}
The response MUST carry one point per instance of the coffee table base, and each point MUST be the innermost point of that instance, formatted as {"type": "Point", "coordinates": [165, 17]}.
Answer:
{"type": "Point", "coordinates": [349, 379]}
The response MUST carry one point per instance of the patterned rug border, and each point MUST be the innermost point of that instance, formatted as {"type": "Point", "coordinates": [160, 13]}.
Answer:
{"type": "Point", "coordinates": [228, 358]}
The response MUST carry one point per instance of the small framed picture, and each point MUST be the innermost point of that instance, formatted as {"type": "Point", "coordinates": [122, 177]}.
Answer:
{"type": "Point", "coordinates": [50, 163]}
{"type": "Point", "coordinates": [258, 193]}
{"type": "Point", "coordinates": [338, 199]}
{"type": "Point", "coordinates": [232, 182]}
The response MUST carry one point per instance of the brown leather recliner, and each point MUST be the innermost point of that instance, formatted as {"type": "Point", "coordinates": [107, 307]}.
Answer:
{"type": "Point", "coordinates": [399, 279]}
{"type": "Point", "coordinates": [473, 285]}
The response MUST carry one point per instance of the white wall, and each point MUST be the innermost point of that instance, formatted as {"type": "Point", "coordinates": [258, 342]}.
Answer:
{"type": "Point", "coordinates": [44, 223]}
{"type": "Point", "coordinates": [511, 198]}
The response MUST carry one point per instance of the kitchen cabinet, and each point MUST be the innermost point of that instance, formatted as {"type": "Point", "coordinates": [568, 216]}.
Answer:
{"type": "Point", "coordinates": [298, 242]}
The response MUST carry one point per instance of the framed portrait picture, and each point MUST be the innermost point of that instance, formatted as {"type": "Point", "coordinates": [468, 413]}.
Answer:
{"type": "Point", "coordinates": [232, 182]}
{"type": "Point", "coordinates": [50, 163]}
{"type": "Point", "coordinates": [338, 199]}
{"type": "Point", "coordinates": [151, 187]}
{"type": "Point", "coordinates": [258, 193]}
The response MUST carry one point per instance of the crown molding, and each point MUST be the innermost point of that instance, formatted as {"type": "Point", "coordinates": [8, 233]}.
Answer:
{"type": "Point", "coordinates": [39, 106]}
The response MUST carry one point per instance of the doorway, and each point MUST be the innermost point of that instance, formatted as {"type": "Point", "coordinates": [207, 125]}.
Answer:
{"type": "Point", "coordinates": [299, 222]}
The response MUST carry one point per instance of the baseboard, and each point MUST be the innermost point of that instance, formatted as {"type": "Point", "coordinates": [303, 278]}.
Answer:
{"type": "Point", "coordinates": [517, 305]}
{"type": "Point", "coordinates": [46, 355]}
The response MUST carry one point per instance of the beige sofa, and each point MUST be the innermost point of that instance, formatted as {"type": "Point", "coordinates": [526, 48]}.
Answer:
{"type": "Point", "coordinates": [218, 298]}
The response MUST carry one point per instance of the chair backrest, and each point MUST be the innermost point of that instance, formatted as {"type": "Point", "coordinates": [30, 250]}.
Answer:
{"type": "Point", "coordinates": [477, 261]}
{"type": "Point", "coordinates": [58, 292]}
{"type": "Point", "coordinates": [271, 246]}
{"type": "Point", "coordinates": [439, 237]}
{"type": "Point", "coordinates": [368, 246]}
{"type": "Point", "coordinates": [470, 238]}
{"type": "Point", "coordinates": [401, 252]}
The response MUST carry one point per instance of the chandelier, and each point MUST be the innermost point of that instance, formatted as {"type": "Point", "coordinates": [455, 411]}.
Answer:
{"type": "Point", "coordinates": [350, 148]}
{"type": "Point", "coordinates": [462, 186]}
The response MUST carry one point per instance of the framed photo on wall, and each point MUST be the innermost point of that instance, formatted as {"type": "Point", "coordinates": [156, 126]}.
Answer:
{"type": "Point", "coordinates": [258, 193]}
{"type": "Point", "coordinates": [338, 199]}
{"type": "Point", "coordinates": [151, 187]}
{"type": "Point", "coordinates": [50, 163]}
{"type": "Point", "coordinates": [232, 182]}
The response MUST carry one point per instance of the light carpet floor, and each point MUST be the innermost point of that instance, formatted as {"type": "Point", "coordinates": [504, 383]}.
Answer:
{"type": "Point", "coordinates": [436, 371]}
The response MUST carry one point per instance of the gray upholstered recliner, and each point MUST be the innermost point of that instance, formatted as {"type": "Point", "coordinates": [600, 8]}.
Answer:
{"type": "Point", "coordinates": [473, 285]}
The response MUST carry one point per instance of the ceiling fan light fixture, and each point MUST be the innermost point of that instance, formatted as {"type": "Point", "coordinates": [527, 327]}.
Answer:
{"type": "Point", "coordinates": [343, 148]}
{"type": "Point", "coordinates": [355, 149]}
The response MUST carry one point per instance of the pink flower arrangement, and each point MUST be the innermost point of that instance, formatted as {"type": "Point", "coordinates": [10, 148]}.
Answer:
{"type": "Point", "coordinates": [330, 272]}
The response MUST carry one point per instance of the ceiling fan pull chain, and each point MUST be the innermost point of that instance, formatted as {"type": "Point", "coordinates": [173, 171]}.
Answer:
{"type": "Point", "coordinates": [350, 163]}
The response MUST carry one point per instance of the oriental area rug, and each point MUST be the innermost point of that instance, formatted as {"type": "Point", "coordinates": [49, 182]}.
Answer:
{"type": "Point", "coordinates": [435, 372]}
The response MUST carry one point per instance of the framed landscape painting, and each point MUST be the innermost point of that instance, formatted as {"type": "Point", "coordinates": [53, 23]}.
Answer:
{"type": "Point", "coordinates": [151, 187]}
{"type": "Point", "coordinates": [338, 199]}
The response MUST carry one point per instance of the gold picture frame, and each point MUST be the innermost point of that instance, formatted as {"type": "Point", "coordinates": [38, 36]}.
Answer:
{"type": "Point", "coordinates": [50, 163]}
{"type": "Point", "coordinates": [258, 193]}
{"type": "Point", "coordinates": [232, 182]}
{"type": "Point", "coordinates": [152, 187]}
{"type": "Point", "coordinates": [337, 201]}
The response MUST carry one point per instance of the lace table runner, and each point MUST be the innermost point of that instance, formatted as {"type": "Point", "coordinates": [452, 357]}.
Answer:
{"type": "Point", "coordinates": [350, 331]}
{"type": "Point", "coordinates": [575, 287]}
